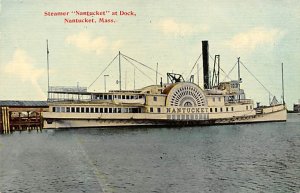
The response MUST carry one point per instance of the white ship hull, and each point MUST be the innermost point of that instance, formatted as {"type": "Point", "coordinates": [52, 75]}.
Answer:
{"type": "Point", "coordinates": [67, 120]}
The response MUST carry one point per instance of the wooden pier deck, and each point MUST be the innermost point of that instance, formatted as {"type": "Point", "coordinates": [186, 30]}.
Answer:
{"type": "Point", "coordinates": [21, 115]}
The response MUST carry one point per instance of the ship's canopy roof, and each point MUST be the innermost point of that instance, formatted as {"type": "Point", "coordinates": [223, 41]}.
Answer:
{"type": "Point", "coordinates": [12, 103]}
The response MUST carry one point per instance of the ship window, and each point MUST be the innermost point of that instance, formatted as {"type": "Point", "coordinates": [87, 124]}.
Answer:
{"type": "Point", "coordinates": [101, 110]}
{"type": "Point", "coordinates": [210, 109]}
{"type": "Point", "coordinates": [87, 110]}
{"type": "Point", "coordinates": [68, 109]}
{"type": "Point", "coordinates": [127, 96]}
{"type": "Point", "coordinates": [130, 110]}
{"type": "Point", "coordinates": [53, 109]}
{"type": "Point", "coordinates": [227, 109]}
{"type": "Point", "coordinates": [221, 110]}
{"type": "Point", "coordinates": [82, 110]}
{"type": "Point", "coordinates": [135, 110]}
{"type": "Point", "coordinates": [105, 97]}
{"type": "Point", "coordinates": [73, 109]}
{"type": "Point", "coordinates": [158, 110]}
{"type": "Point", "coordinates": [101, 97]}
{"type": "Point", "coordinates": [119, 110]}
{"type": "Point", "coordinates": [214, 99]}
{"type": "Point", "coordinates": [105, 110]}
{"type": "Point", "coordinates": [246, 107]}
{"type": "Point", "coordinates": [92, 110]}
{"type": "Point", "coordinates": [132, 97]}
{"type": "Point", "coordinates": [216, 109]}
{"type": "Point", "coordinates": [250, 106]}
{"type": "Point", "coordinates": [123, 96]}
{"type": "Point", "coordinates": [77, 110]}
{"type": "Point", "coordinates": [63, 109]}
{"type": "Point", "coordinates": [110, 110]}
{"type": "Point", "coordinates": [119, 96]}
{"type": "Point", "coordinates": [109, 97]}
{"type": "Point", "coordinates": [151, 109]}
{"type": "Point", "coordinates": [96, 110]}
{"type": "Point", "coordinates": [219, 98]}
{"type": "Point", "coordinates": [155, 98]}
{"type": "Point", "coordinates": [140, 96]}
{"type": "Point", "coordinates": [232, 109]}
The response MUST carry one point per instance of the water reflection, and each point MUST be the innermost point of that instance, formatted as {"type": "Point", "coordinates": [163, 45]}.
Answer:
{"type": "Point", "coordinates": [232, 158]}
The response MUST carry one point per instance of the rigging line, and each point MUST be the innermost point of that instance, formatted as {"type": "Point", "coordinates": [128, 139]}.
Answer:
{"type": "Point", "coordinates": [138, 69]}
{"type": "Point", "coordinates": [195, 65]}
{"type": "Point", "coordinates": [227, 75]}
{"type": "Point", "coordinates": [104, 70]}
{"type": "Point", "coordinates": [198, 70]}
{"type": "Point", "coordinates": [140, 63]}
{"type": "Point", "coordinates": [256, 79]}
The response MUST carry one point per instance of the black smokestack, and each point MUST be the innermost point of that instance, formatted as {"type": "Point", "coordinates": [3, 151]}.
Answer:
{"type": "Point", "coordinates": [205, 56]}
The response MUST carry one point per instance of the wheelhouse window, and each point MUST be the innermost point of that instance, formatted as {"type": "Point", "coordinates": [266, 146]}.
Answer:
{"type": "Point", "coordinates": [109, 97]}
{"type": "Point", "coordinates": [82, 109]}
{"type": "Point", "coordinates": [77, 109]}
{"type": "Point", "coordinates": [68, 109]}
{"type": "Point", "coordinates": [87, 109]}
{"type": "Point", "coordinates": [151, 109]}
{"type": "Point", "coordinates": [158, 110]}
{"type": "Point", "coordinates": [73, 109]}
{"type": "Point", "coordinates": [92, 110]}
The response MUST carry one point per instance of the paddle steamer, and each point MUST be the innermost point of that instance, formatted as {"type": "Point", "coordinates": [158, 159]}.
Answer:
{"type": "Point", "coordinates": [177, 102]}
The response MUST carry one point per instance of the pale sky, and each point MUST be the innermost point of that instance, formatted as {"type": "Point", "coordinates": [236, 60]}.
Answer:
{"type": "Point", "coordinates": [263, 33]}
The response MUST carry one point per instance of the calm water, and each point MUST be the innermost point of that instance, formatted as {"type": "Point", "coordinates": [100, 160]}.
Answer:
{"type": "Point", "coordinates": [240, 158]}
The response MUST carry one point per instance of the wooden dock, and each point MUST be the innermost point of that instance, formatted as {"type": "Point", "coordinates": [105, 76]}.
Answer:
{"type": "Point", "coordinates": [21, 115]}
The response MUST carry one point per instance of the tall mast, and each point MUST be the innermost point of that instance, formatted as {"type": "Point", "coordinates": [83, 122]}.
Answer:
{"type": "Point", "coordinates": [120, 83]}
{"type": "Point", "coordinates": [282, 83]}
{"type": "Point", "coordinates": [156, 73]}
{"type": "Point", "coordinates": [125, 79]}
{"type": "Point", "coordinates": [48, 69]}
{"type": "Point", "coordinates": [239, 78]}
{"type": "Point", "coordinates": [218, 69]}
{"type": "Point", "coordinates": [134, 78]}
{"type": "Point", "coordinates": [198, 75]}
